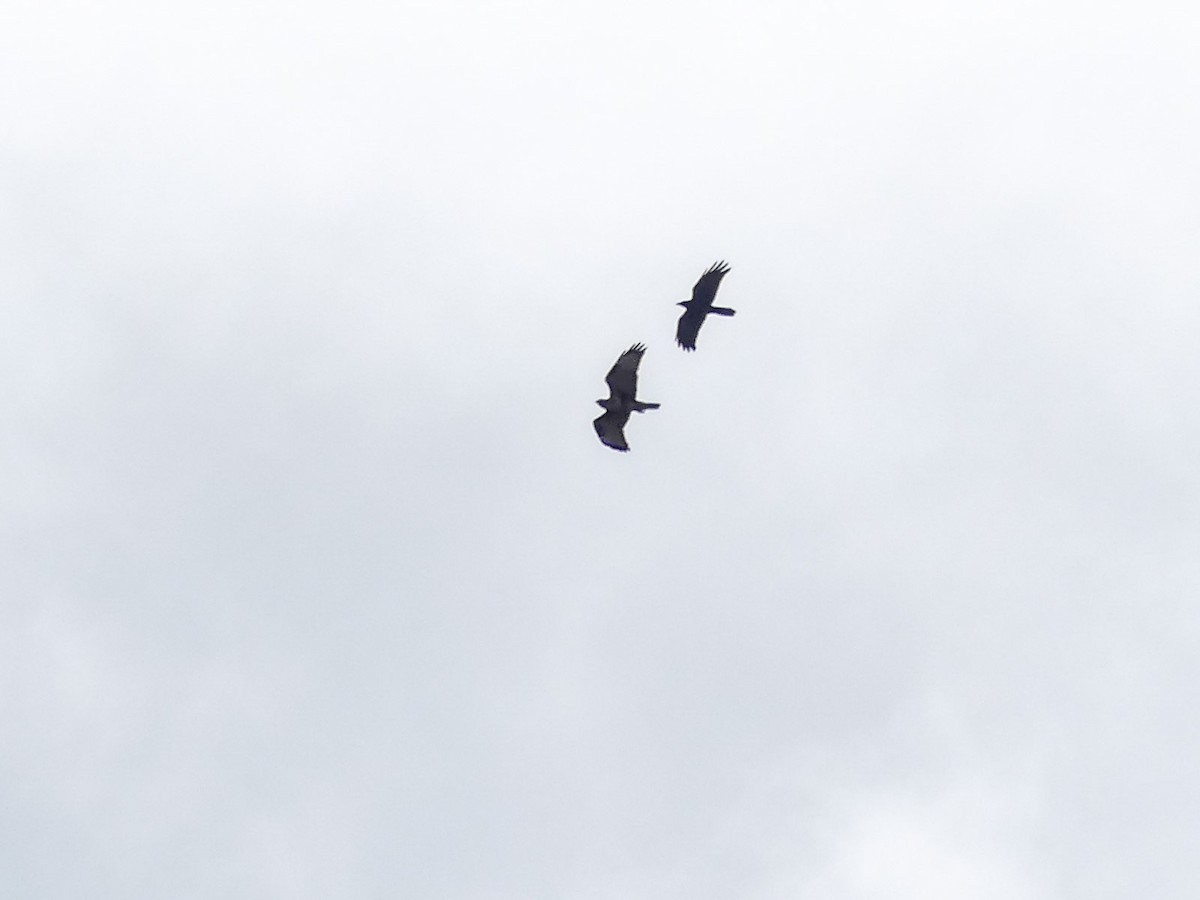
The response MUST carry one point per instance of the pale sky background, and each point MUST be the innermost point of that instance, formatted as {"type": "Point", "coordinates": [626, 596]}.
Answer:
{"type": "Point", "coordinates": [316, 583]}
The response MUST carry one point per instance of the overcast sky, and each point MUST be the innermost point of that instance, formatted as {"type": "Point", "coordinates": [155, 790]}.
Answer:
{"type": "Point", "coordinates": [316, 583]}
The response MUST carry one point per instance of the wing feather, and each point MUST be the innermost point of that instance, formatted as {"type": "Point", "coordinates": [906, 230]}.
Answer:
{"type": "Point", "coordinates": [610, 428]}
{"type": "Point", "coordinates": [688, 328]}
{"type": "Point", "coordinates": [622, 377]}
{"type": "Point", "coordinates": [706, 288]}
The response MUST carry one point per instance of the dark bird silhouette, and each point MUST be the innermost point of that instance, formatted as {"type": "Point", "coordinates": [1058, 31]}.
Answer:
{"type": "Point", "coordinates": [621, 399]}
{"type": "Point", "coordinates": [700, 305]}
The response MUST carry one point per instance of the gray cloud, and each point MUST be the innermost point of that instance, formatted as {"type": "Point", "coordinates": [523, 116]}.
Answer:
{"type": "Point", "coordinates": [315, 581]}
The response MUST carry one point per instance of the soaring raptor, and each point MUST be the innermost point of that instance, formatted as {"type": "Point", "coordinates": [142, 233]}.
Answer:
{"type": "Point", "coordinates": [621, 399]}
{"type": "Point", "coordinates": [700, 305]}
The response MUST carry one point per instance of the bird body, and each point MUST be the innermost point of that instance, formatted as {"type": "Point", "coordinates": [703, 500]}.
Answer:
{"type": "Point", "coordinates": [701, 304]}
{"type": "Point", "coordinates": [621, 400]}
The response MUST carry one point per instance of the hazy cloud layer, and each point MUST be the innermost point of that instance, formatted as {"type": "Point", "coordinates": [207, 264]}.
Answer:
{"type": "Point", "coordinates": [315, 581]}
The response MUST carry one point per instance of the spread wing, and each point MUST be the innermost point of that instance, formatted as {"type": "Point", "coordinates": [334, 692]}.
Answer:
{"type": "Point", "coordinates": [706, 288]}
{"type": "Point", "coordinates": [622, 377]}
{"type": "Point", "coordinates": [610, 428]}
{"type": "Point", "coordinates": [688, 328]}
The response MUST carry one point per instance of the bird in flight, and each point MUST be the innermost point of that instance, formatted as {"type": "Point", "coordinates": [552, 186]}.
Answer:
{"type": "Point", "coordinates": [700, 305]}
{"type": "Point", "coordinates": [621, 399]}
